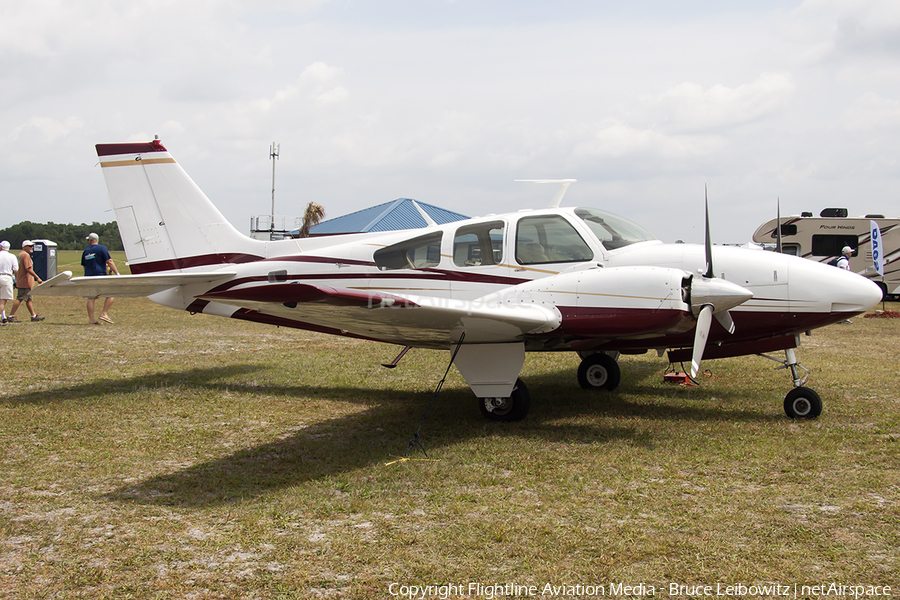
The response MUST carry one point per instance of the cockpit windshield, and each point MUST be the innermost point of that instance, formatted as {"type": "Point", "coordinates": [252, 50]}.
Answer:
{"type": "Point", "coordinates": [612, 230]}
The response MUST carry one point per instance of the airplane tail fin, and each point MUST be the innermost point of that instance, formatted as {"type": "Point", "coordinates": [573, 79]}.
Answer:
{"type": "Point", "coordinates": [166, 222]}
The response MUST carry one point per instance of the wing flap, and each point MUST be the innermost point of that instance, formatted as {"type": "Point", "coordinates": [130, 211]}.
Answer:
{"type": "Point", "coordinates": [123, 286]}
{"type": "Point", "coordinates": [296, 293]}
{"type": "Point", "coordinates": [422, 320]}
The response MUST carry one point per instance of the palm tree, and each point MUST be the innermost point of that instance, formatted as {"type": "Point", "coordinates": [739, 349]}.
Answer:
{"type": "Point", "coordinates": [312, 216]}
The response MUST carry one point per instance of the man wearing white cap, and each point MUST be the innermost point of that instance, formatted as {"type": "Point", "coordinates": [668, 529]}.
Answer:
{"type": "Point", "coordinates": [97, 262]}
{"type": "Point", "coordinates": [8, 267]}
{"type": "Point", "coordinates": [25, 280]}
{"type": "Point", "coordinates": [844, 261]}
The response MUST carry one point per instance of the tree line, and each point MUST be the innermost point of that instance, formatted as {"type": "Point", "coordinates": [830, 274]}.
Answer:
{"type": "Point", "coordinates": [66, 235]}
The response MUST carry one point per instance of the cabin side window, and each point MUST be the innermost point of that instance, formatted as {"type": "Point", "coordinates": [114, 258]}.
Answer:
{"type": "Point", "coordinates": [831, 245]}
{"type": "Point", "coordinates": [549, 239]}
{"type": "Point", "coordinates": [418, 253]}
{"type": "Point", "coordinates": [787, 229]}
{"type": "Point", "coordinates": [477, 245]}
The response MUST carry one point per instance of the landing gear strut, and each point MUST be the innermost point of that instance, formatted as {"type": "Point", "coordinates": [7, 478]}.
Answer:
{"type": "Point", "coordinates": [801, 402]}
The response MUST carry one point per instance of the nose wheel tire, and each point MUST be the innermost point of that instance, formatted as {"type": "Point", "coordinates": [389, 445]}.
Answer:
{"type": "Point", "coordinates": [802, 403]}
{"type": "Point", "coordinates": [599, 372]}
{"type": "Point", "coordinates": [509, 409]}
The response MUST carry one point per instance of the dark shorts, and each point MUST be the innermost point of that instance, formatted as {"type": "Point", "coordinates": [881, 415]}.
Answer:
{"type": "Point", "coordinates": [23, 294]}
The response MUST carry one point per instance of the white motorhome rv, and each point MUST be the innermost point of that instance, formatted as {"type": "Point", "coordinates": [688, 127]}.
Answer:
{"type": "Point", "coordinates": [822, 238]}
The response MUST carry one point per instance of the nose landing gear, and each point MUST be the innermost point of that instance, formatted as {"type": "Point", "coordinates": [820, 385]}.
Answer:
{"type": "Point", "coordinates": [801, 402]}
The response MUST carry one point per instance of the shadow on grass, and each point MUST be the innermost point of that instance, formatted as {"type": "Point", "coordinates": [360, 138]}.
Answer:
{"type": "Point", "coordinates": [384, 427]}
{"type": "Point", "coordinates": [99, 388]}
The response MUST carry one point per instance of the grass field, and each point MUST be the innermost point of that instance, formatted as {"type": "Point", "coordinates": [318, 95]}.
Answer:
{"type": "Point", "coordinates": [179, 456]}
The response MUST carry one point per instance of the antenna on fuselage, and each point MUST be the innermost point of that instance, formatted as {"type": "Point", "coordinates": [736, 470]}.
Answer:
{"type": "Point", "coordinates": [563, 186]}
{"type": "Point", "coordinates": [428, 220]}
{"type": "Point", "coordinates": [710, 272]}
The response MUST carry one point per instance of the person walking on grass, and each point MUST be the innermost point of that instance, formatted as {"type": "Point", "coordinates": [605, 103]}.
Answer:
{"type": "Point", "coordinates": [25, 280]}
{"type": "Point", "coordinates": [97, 262]}
{"type": "Point", "coordinates": [8, 268]}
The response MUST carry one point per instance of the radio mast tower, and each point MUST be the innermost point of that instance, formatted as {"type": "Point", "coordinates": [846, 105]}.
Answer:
{"type": "Point", "coordinates": [274, 150]}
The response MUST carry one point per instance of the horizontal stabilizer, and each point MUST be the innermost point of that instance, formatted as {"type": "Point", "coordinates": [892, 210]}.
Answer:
{"type": "Point", "coordinates": [123, 286]}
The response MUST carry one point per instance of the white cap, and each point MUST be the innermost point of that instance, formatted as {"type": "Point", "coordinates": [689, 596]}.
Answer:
{"type": "Point", "coordinates": [5, 245]}
{"type": "Point", "coordinates": [93, 237]}
{"type": "Point", "coordinates": [27, 243]}
{"type": "Point", "coordinates": [846, 250]}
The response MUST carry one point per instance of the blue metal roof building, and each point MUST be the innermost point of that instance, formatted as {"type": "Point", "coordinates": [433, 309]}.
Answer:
{"type": "Point", "coordinates": [402, 213]}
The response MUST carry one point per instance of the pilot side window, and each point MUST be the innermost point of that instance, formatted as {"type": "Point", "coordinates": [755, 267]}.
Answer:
{"type": "Point", "coordinates": [418, 253]}
{"type": "Point", "coordinates": [549, 239]}
{"type": "Point", "coordinates": [476, 245]}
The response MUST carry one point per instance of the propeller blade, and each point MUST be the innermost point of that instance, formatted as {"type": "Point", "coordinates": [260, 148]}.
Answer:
{"type": "Point", "coordinates": [709, 264]}
{"type": "Point", "coordinates": [778, 248]}
{"type": "Point", "coordinates": [704, 320]}
{"type": "Point", "coordinates": [725, 320]}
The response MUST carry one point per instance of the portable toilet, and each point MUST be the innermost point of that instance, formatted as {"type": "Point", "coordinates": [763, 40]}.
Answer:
{"type": "Point", "coordinates": [44, 257]}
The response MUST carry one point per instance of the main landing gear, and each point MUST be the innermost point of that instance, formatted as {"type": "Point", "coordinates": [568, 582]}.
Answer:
{"type": "Point", "coordinates": [801, 402]}
{"type": "Point", "coordinates": [509, 409]}
{"type": "Point", "coordinates": [599, 371]}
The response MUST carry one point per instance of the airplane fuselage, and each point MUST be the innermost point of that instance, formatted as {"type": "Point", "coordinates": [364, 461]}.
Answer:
{"type": "Point", "coordinates": [604, 298]}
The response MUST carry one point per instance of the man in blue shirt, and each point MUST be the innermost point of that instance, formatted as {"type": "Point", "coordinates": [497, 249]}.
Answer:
{"type": "Point", "coordinates": [96, 260]}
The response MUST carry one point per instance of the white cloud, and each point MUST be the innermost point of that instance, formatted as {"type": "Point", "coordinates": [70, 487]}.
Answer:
{"type": "Point", "coordinates": [49, 129]}
{"type": "Point", "coordinates": [872, 114]}
{"type": "Point", "coordinates": [688, 107]}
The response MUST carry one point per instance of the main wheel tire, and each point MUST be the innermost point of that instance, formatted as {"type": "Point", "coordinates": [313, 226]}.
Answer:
{"type": "Point", "coordinates": [509, 409]}
{"type": "Point", "coordinates": [802, 403]}
{"type": "Point", "coordinates": [599, 372]}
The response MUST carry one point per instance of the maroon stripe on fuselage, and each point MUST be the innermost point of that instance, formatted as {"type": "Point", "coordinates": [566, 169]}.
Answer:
{"type": "Point", "coordinates": [375, 276]}
{"type": "Point", "coordinates": [616, 322]}
{"type": "Point", "coordinates": [237, 258]}
{"type": "Point", "coordinates": [749, 327]}
{"type": "Point", "coordinates": [192, 261]}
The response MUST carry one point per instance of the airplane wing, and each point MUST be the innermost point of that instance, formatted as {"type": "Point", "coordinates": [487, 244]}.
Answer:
{"type": "Point", "coordinates": [122, 286]}
{"type": "Point", "coordinates": [409, 320]}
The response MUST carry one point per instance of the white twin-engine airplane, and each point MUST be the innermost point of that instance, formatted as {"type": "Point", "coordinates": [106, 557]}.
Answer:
{"type": "Point", "coordinates": [490, 288]}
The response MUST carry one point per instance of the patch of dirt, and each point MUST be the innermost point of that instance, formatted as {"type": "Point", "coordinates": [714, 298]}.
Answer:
{"type": "Point", "coordinates": [883, 314]}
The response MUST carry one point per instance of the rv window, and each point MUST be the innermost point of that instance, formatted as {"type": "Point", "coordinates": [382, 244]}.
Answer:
{"type": "Point", "coordinates": [549, 239]}
{"type": "Point", "coordinates": [476, 245]}
{"type": "Point", "coordinates": [787, 229]}
{"type": "Point", "coordinates": [792, 249]}
{"type": "Point", "coordinates": [418, 253]}
{"type": "Point", "coordinates": [831, 245]}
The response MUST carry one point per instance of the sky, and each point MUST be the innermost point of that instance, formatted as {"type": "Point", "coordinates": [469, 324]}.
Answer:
{"type": "Point", "coordinates": [645, 103]}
